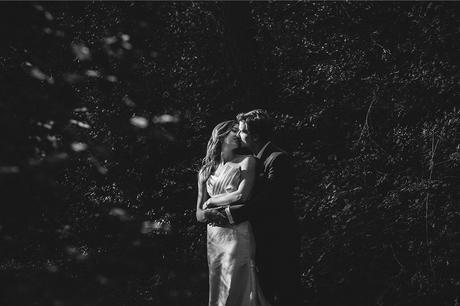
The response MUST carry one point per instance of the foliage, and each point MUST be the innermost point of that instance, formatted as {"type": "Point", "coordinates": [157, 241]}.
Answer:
{"type": "Point", "coordinates": [105, 113]}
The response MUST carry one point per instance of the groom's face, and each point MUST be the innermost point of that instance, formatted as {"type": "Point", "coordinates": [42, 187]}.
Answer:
{"type": "Point", "coordinates": [247, 141]}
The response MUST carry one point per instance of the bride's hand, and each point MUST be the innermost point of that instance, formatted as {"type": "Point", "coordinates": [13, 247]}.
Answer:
{"type": "Point", "coordinates": [200, 215]}
{"type": "Point", "coordinates": [207, 204]}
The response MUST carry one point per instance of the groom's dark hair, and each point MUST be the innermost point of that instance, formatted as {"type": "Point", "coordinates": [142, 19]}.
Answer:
{"type": "Point", "coordinates": [259, 123]}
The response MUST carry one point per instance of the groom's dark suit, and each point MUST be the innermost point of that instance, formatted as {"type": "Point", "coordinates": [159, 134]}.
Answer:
{"type": "Point", "coordinates": [272, 217]}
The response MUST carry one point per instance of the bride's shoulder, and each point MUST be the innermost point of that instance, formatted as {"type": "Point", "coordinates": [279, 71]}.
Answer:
{"type": "Point", "coordinates": [246, 159]}
{"type": "Point", "coordinates": [242, 157]}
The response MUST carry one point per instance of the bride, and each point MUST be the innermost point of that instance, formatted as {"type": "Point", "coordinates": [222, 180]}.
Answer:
{"type": "Point", "coordinates": [226, 178]}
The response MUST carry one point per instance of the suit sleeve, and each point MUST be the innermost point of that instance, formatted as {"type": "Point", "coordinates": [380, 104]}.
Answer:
{"type": "Point", "coordinates": [270, 193]}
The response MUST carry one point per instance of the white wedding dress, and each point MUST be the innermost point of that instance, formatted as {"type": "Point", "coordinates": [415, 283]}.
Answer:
{"type": "Point", "coordinates": [231, 250]}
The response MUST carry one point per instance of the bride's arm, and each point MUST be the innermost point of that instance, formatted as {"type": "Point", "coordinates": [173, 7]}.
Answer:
{"type": "Point", "coordinates": [202, 197]}
{"type": "Point", "coordinates": [244, 188]}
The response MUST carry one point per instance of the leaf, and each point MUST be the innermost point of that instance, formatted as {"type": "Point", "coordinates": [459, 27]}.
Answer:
{"type": "Point", "coordinates": [165, 119]}
{"type": "Point", "coordinates": [93, 73]}
{"type": "Point", "coordinates": [81, 52]}
{"type": "Point", "coordinates": [38, 74]}
{"type": "Point", "coordinates": [119, 213]}
{"type": "Point", "coordinates": [80, 124]}
{"type": "Point", "coordinates": [128, 101]}
{"type": "Point", "coordinates": [139, 122]}
{"type": "Point", "coordinates": [79, 146]}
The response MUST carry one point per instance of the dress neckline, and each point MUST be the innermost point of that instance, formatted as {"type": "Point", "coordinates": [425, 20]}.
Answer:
{"type": "Point", "coordinates": [224, 168]}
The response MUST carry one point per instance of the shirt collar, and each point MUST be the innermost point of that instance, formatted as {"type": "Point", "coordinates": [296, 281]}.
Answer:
{"type": "Point", "coordinates": [261, 151]}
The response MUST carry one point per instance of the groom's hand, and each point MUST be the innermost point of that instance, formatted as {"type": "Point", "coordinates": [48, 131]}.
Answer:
{"type": "Point", "coordinates": [216, 217]}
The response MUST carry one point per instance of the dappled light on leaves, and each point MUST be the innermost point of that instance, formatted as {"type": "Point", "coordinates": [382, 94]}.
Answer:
{"type": "Point", "coordinates": [107, 108]}
{"type": "Point", "coordinates": [77, 253]}
{"type": "Point", "coordinates": [81, 51]}
{"type": "Point", "coordinates": [100, 168]}
{"type": "Point", "coordinates": [139, 122]}
{"type": "Point", "coordinates": [165, 118]}
{"type": "Point", "coordinates": [92, 73]}
{"type": "Point", "coordinates": [128, 101]}
{"type": "Point", "coordinates": [53, 140]}
{"type": "Point", "coordinates": [81, 110]}
{"type": "Point", "coordinates": [79, 146]}
{"type": "Point", "coordinates": [119, 213]}
{"type": "Point", "coordinates": [38, 74]}
{"type": "Point", "coordinates": [80, 124]}
{"type": "Point", "coordinates": [47, 125]}
{"type": "Point", "coordinates": [48, 16]}
{"type": "Point", "coordinates": [57, 157]}
{"type": "Point", "coordinates": [110, 40]}
{"type": "Point", "coordinates": [111, 78]}
{"type": "Point", "coordinates": [156, 227]}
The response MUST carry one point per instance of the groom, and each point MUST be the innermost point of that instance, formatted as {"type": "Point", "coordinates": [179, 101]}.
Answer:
{"type": "Point", "coordinates": [270, 211]}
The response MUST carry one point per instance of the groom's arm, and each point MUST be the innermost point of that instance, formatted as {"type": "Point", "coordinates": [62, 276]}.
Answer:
{"type": "Point", "coordinates": [241, 213]}
{"type": "Point", "coordinates": [270, 195]}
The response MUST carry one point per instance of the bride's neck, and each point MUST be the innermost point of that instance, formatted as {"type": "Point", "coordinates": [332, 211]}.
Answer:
{"type": "Point", "coordinates": [227, 154]}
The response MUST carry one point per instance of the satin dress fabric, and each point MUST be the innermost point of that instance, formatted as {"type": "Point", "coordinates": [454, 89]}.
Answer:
{"type": "Point", "coordinates": [231, 250]}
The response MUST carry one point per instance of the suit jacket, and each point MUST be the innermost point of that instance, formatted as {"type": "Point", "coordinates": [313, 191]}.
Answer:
{"type": "Point", "coordinates": [270, 207]}
{"type": "Point", "coordinates": [271, 213]}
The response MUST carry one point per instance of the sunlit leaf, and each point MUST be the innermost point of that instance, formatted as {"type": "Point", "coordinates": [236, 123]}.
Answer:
{"type": "Point", "coordinates": [79, 146]}
{"type": "Point", "coordinates": [110, 40]}
{"type": "Point", "coordinates": [57, 157]}
{"type": "Point", "coordinates": [165, 118]}
{"type": "Point", "coordinates": [128, 101]}
{"type": "Point", "coordinates": [158, 226]}
{"type": "Point", "coordinates": [93, 73]}
{"type": "Point", "coordinates": [127, 45]}
{"type": "Point", "coordinates": [47, 125]}
{"type": "Point", "coordinates": [49, 16]}
{"type": "Point", "coordinates": [139, 122]}
{"type": "Point", "coordinates": [101, 169]}
{"type": "Point", "coordinates": [38, 74]}
{"type": "Point", "coordinates": [80, 124]}
{"type": "Point", "coordinates": [81, 109]}
{"type": "Point", "coordinates": [119, 213]}
{"type": "Point", "coordinates": [81, 51]}
{"type": "Point", "coordinates": [111, 78]}
{"type": "Point", "coordinates": [53, 140]}
{"type": "Point", "coordinates": [80, 254]}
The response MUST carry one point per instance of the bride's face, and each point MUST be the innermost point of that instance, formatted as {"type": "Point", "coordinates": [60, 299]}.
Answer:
{"type": "Point", "coordinates": [232, 140]}
{"type": "Point", "coordinates": [244, 135]}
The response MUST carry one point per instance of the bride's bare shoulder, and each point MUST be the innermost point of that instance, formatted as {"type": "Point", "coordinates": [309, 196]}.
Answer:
{"type": "Point", "coordinates": [245, 159]}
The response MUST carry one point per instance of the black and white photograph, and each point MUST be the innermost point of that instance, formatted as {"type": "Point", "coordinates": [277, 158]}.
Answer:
{"type": "Point", "coordinates": [230, 153]}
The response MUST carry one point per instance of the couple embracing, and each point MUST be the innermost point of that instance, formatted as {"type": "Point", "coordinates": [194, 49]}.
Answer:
{"type": "Point", "coordinates": [252, 235]}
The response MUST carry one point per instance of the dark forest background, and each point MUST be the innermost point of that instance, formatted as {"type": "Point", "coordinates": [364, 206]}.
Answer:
{"type": "Point", "coordinates": [106, 108]}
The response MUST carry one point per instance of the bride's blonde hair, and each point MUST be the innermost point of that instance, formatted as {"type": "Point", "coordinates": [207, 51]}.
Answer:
{"type": "Point", "coordinates": [213, 150]}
